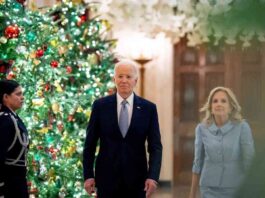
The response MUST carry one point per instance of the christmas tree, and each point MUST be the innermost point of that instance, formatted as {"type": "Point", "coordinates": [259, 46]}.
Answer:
{"type": "Point", "coordinates": [63, 59]}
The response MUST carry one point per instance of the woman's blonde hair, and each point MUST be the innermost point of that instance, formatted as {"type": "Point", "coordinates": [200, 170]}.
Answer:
{"type": "Point", "coordinates": [235, 114]}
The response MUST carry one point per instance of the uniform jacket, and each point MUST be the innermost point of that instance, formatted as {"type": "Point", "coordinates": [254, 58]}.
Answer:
{"type": "Point", "coordinates": [12, 152]}
{"type": "Point", "coordinates": [122, 157]}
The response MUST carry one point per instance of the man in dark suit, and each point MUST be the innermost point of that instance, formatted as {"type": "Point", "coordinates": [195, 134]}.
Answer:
{"type": "Point", "coordinates": [122, 123]}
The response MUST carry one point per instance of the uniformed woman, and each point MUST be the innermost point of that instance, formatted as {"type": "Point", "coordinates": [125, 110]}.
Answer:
{"type": "Point", "coordinates": [13, 142]}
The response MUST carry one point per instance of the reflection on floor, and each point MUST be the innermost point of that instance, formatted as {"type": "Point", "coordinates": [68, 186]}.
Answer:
{"type": "Point", "coordinates": [177, 192]}
{"type": "Point", "coordinates": [163, 193]}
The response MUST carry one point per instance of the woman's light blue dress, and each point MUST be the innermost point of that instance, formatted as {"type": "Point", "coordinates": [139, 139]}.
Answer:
{"type": "Point", "coordinates": [222, 157]}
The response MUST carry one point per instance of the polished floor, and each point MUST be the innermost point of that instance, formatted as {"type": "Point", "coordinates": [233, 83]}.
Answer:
{"type": "Point", "coordinates": [176, 192]}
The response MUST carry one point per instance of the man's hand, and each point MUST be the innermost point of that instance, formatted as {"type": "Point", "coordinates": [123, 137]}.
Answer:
{"type": "Point", "coordinates": [90, 185]}
{"type": "Point", "coordinates": [150, 187]}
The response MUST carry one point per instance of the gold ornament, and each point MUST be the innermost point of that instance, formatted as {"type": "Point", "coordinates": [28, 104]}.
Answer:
{"type": "Point", "coordinates": [70, 151]}
{"type": "Point", "coordinates": [58, 87]}
{"type": "Point", "coordinates": [3, 39]}
{"type": "Point", "coordinates": [32, 54]}
{"type": "Point", "coordinates": [93, 59]}
{"type": "Point", "coordinates": [70, 46]}
{"type": "Point", "coordinates": [43, 130]}
{"type": "Point", "coordinates": [54, 43]}
{"type": "Point", "coordinates": [51, 174]}
{"type": "Point", "coordinates": [78, 184]}
{"type": "Point", "coordinates": [87, 113]}
{"type": "Point", "coordinates": [55, 108]}
{"type": "Point", "coordinates": [38, 101]}
{"type": "Point", "coordinates": [106, 23]}
{"type": "Point", "coordinates": [40, 82]}
{"type": "Point", "coordinates": [79, 164]}
{"type": "Point", "coordinates": [77, 1]}
{"type": "Point", "coordinates": [62, 50]}
{"type": "Point", "coordinates": [36, 62]}
{"type": "Point", "coordinates": [79, 109]}
{"type": "Point", "coordinates": [40, 93]}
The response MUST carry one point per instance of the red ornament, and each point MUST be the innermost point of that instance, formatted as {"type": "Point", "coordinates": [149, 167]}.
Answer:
{"type": "Point", "coordinates": [51, 149]}
{"type": "Point", "coordinates": [12, 31]}
{"type": "Point", "coordinates": [2, 69]}
{"type": "Point", "coordinates": [72, 79]}
{"type": "Point", "coordinates": [47, 87]}
{"type": "Point", "coordinates": [111, 91]}
{"type": "Point", "coordinates": [54, 156]}
{"type": "Point", "coordinates": [56, 16]}
{"type": "Point", "coordinates": [60, 127]}
{"type": "Point", "coordinates": [40, 147]}
{"type": "Point", "coordinates": [34, 163]}
{"type": "Point", "coordinates": [81, 19]}
{"type": "Point", "coordinates": [11, 76]}
{"type": "Point", "coordinates": [21, 1]}
{"type": "Point", "coordinates": [39, 53]}
{"type": "Point", "coordinates": [69, 69]}
{"type": "Point", "coordinates": [54, 64]}
{"type": "Point", "coordinates": [10, 62]}
{"type": "Point", "coordinates": [5, 66]}
{"type": "Point", "coordinates": [33, 191]}
{"type": "Point", "coordinates": [70, 118]}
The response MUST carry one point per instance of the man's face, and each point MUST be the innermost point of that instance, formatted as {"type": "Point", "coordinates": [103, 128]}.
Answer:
{"type": "Point", "coordinates": [125, 80]}
{"type": "Point", "coordinates": [15, 100]}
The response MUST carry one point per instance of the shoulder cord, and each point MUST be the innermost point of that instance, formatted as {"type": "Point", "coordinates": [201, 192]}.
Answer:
{"type": "Point", "coordinates": [23, 141]}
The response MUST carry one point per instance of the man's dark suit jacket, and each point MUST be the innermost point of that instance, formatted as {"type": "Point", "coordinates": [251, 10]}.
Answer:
{"type": "Point", "coordinates": [122, 159]}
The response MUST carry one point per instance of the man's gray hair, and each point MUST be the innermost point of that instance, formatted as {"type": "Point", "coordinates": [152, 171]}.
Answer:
{"type": "Point", "coordinates": [127, 62]}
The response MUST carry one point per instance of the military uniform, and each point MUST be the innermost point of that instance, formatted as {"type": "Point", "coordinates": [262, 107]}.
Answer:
{"type": "Point", "coordinates": [13, 150]}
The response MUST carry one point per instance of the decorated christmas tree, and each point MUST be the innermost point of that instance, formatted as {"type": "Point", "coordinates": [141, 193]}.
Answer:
{"type": "Point", "coordinates": [63, 60]}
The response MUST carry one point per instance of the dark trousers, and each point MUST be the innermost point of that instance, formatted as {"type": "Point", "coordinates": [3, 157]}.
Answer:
{"type": "Point", "coordinates": [16, 187]}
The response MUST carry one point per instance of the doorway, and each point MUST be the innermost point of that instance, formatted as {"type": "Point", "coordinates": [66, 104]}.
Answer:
{"type": "Point", "coordinates": [199, 69]}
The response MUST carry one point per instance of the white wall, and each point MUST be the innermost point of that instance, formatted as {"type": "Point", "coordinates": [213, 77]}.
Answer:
{"type": "Point", "coordinates": [34, 4]}
{"type": "Point", "coordinates": [159, 89]}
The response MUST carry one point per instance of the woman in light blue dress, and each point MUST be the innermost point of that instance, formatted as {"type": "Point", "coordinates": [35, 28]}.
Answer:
{"type": "Point", "coordinates": [223, 147]}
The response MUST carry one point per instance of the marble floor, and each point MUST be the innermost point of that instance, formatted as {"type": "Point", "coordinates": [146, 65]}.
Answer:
{"type": "Point", "coordinates": [176, 192]}
{"type": "Point", "coordinates": [163, 193]}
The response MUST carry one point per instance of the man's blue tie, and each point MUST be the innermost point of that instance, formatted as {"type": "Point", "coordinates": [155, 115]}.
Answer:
{"type": "Point", "coordinates": [124, 118]}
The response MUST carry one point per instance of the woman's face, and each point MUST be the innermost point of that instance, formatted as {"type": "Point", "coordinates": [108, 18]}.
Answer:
{"type": "Point", "coordinates": [14, 100]}
{"type": "Point", "coordinates": [220, 105]}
